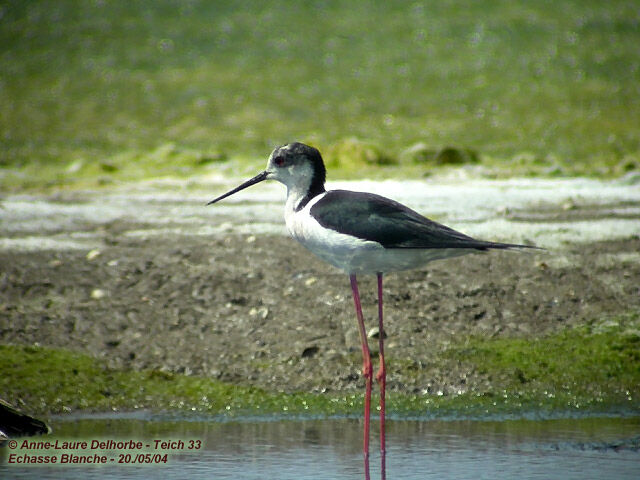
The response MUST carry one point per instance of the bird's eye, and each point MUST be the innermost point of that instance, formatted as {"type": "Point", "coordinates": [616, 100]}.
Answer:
{"type": "Point", "coordinates": [279, 161]}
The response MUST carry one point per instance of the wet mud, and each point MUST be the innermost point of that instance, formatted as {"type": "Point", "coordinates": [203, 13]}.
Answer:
{"type": "Point", "coordinates": [261, 310]}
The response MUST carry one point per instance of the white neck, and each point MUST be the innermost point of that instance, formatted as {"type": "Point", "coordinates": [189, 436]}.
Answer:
{"type": "Point", "coordinates": [297, 184]}
{"type": "Point", "coordinates": [295, 194]}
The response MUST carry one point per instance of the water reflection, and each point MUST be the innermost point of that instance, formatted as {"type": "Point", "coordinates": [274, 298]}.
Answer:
{"type": "Point", "coordinates": [305, 449]}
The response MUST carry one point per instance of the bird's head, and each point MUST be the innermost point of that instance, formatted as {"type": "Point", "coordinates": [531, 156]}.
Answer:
{"type": "Point", "coordinates": [296, 165]}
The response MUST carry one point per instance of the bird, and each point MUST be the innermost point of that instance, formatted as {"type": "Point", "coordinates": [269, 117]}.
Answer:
{"type": "Point", "coordinates": [362, 234]}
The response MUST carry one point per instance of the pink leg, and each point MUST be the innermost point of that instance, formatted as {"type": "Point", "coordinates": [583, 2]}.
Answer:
{"type": "Point", "coordinates": [381, 377]}
{"type": "Point", "coordinates": [367, 371]}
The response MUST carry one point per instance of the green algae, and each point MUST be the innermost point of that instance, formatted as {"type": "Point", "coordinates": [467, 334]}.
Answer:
{"type": "Point", "coordinates": [585, 370]}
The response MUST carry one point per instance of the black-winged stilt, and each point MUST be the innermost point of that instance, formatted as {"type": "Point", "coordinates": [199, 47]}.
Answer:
{"type": "Point", "coordinates": [360, 233]}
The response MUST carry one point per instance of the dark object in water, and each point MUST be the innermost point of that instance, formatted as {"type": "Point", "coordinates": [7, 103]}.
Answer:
{"type": "Point", "coordinates": [16, 424]}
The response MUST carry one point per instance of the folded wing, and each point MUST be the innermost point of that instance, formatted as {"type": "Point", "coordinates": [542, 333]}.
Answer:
{"type": "Point", "coordinates": [373, 217]}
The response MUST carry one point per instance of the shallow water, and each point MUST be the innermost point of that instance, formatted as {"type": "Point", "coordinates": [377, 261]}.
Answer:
{"type": "Point", "coordinates": [548, 212]}
{"type": "Point", "coordinates": [587, 448]}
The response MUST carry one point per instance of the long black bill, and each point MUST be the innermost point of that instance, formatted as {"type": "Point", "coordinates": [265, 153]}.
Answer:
{"type": "Point", "coordinates": [257, 179]}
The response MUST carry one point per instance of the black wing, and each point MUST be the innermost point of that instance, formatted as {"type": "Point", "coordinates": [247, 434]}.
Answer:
{"type": "Point", "coordinates": [379, 219]}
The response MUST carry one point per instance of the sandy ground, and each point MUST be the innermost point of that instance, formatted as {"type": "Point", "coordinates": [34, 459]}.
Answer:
{"type": "Point", "coordinates": [260, 310]}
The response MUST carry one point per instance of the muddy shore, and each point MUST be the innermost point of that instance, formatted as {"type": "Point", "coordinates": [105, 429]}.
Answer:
{"type": "Point", "coordinates": [260, 310]}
